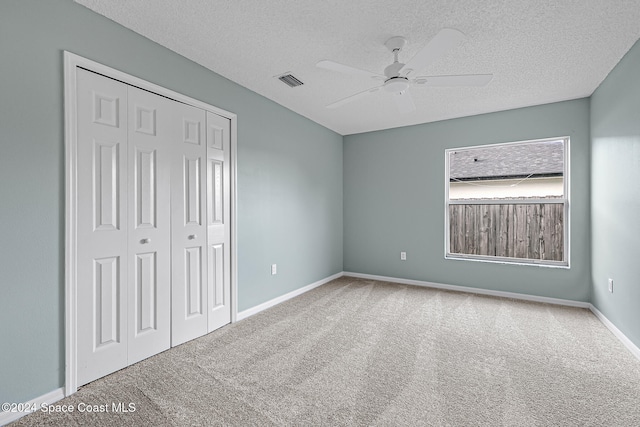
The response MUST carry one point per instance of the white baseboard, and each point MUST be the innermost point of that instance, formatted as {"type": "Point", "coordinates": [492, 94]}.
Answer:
{"type": "Point", "coordinates": [51, 397]}
{"type": "Point", "coordinates": [258, 308]}
{"type": "Point", "coordinates": [622, 337]}
{"type": "Point", "coordinates": [467, 289]}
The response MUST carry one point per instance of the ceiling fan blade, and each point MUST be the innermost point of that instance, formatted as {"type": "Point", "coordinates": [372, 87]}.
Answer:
{"type": "Point", "coordinates": [353, 97]}
{"type": "Point", "coordinates": [346, 69]}
{"type": "Point", "coordinates": [463, 80]}
{"type": "Point", "coordinates": [404, 101]}
{"type": "Point", "coordinates": [437, 46]}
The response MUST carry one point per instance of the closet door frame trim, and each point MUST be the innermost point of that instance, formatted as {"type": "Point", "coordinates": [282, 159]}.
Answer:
{"type": "Point", "coordinates": [71, 63]}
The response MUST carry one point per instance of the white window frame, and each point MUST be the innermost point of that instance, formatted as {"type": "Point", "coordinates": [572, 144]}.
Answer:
{"type": "Point", "coordinates": [509, 260]}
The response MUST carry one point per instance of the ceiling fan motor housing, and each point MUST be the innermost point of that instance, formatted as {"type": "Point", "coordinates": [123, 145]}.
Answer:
{"type": "Point", "coordinates": [393, 70]}
{"type": "Point", "coordinates": [395, 83]}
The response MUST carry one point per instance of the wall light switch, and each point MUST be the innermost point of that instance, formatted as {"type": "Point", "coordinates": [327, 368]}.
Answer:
{"type": "Point", "coordinates": [611, 285]}
{"type": "Point", "coordinates": [403, 256]}
{"type": "Point", "coordinates": [274, 269]}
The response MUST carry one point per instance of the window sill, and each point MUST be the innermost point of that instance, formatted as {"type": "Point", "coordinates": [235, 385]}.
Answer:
{"type": "Point", "coordinates": [511, 261]}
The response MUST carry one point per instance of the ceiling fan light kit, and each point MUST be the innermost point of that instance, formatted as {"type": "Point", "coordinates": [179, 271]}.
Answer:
{"type": "Point", "coordinates": [396, 84]}
{"type": "Point", "coordinates": [399, 77]}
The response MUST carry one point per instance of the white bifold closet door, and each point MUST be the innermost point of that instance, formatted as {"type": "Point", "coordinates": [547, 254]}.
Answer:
{"type": "Point", "coordinates": [189, 239]}
{"type": "Point", "coordinates": [149, 284]}
{"type": "Point", "coordinates": [218, 220]}
{"type": "Point", "coordinates": [153, 225]}
{"type": "Point", "coordinates": [200, 224]}
{"type": "Point", "coordinates": [124, 229]}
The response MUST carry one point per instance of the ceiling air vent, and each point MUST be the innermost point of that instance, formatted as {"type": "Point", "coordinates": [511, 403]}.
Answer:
{"type": "Point", "coordinates": [290, 80]}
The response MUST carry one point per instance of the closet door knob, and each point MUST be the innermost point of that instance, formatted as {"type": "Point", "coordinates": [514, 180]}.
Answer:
{"type": "Point", "coordinates": [192, 236]}
{"type": "Point", "coordinates": [144, 241]}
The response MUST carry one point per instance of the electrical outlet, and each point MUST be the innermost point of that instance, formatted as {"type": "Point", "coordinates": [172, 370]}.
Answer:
{"type": "Point", "coordinates": [611, 285]}
{"type": "Point", "coordinates": [274, 269]}
{"type": "Point", "coordinates": [403, 256]}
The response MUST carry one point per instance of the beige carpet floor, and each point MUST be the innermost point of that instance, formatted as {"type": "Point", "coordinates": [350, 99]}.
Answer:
{"type": "Point", "coordinates": [366, 353]}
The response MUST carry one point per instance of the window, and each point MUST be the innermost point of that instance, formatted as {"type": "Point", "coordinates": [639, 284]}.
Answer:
{"type": "Point", "coordinates": [508, 202]}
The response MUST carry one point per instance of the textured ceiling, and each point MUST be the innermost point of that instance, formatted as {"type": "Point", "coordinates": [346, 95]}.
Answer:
{"type": "Point", "coordinates": [540, 51]}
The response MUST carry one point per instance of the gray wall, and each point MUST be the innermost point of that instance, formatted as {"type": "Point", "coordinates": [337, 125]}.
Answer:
{"type": "Point", "coordinates": [289, 180]}
{"type": "Point", "coordinates": [394, 200]}
{"type": "Point", "coordinates": [615, 195]}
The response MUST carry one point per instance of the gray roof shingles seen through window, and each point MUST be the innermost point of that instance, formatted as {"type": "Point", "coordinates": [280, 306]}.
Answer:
{"type": "Point", "coordinates": [504, 161]}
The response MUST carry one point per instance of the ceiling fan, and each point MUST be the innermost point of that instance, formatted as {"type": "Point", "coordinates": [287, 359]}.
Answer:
{"type": "Point", "coordinates": [398, 77]}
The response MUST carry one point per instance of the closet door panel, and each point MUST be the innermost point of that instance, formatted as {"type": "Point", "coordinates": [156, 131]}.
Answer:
{"type": "Point", "coordinates": [218, 221]}
{"type": "Point", "coordinates": [153, 224]}
{"type": "Point", "coordinates": [149, 240]}
{"type": "Point", "coordinates": [101, 226]}
{"type": "Point", "coordinates": [188, 211]}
